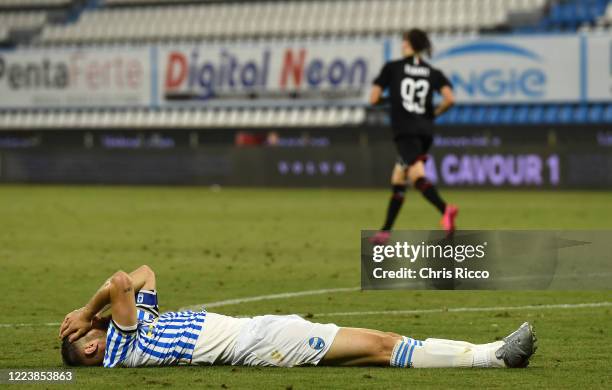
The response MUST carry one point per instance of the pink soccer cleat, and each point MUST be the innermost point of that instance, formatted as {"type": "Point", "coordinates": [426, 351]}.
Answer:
{"type": "Point", "coordinates": [448, 220]}
{"type": "Point", "coordinates": [381, 237]}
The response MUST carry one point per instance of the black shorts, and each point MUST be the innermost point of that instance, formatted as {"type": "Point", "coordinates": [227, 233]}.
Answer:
{"type": "Point", "coordinates": [412, 148]}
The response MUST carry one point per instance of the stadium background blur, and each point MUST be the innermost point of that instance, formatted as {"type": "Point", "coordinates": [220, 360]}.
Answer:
{"type": "Point", "coordinates": [253, 102]}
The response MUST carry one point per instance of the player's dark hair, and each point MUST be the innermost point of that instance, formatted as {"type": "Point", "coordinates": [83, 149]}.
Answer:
{"type": "Point", "coordinates": [70, 353]}
{"type": "Point", "coordinates": [419, 40]}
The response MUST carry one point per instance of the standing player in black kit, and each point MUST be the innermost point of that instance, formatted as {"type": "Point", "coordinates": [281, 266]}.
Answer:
{"type": "Point", "coordinates": [411, 83]}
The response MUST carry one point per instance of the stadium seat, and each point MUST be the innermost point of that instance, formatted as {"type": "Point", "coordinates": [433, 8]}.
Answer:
{"type": "Point", "coordinates": [580, 113]}
{"type": "Point", "coordinates": [551, 114]}
{"type": "Point", "coordinates": [32, 3]}
{"type": "Point", "coordinates": [536, 114]}
{"type": "Point", "coordinates": [451, 116]}
{"type": "Point", "coordinates": [465, 115]}
{"type": "Point", "coordinates": [444, 119]}
{"type": "Point", "coordinates": [607, 117]}
{"type": "Point", "coordinates": [595, 114]}
{"type": "Point", "coordinates": [522, 114]}
{"type": "Point", "coordinates": [570, 14]}
{"type": "Point", "coordinates": [479, 115]}
{"type": "Point", "coordinates": [493, 115]}
{"type": "Point", "coordinates": [507, 114]}
{"type": "Point", "coordinates": [565, 114]}
{"type": "Point", "coordinates": [20, 20]}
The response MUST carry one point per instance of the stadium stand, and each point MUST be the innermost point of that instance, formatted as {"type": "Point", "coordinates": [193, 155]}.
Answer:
{"type": "Point", "coordinates": [185, 118]}
{"type": "Point", "coordinates": [90, 22]}
{"type": "Point", "coordinates": [606, 18]}
{"type": "Point", "coordinates": [17, 20]}
{"type": "Point", "coordinates": [528, 114]}
{"type": "Point", "coordinates": [238, 20]}
{"type": "Point", "coordinates": [32, 3]}
{"type": "Point", "coordinates": [569, 15]}
{"type": "Point", "coordinates": [276, 117]}
{"type": "Point", "coordinates": [20, 20]}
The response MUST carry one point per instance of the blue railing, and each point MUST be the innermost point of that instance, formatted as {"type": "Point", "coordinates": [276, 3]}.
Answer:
{"type": "Point", "coordinates": [524, 114]}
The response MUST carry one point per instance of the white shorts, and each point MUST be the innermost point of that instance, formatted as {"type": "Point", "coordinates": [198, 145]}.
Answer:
{"type": "Point", "coordinates": [217, 341]}
{"type": "Point", "coordinates": [283, 341]}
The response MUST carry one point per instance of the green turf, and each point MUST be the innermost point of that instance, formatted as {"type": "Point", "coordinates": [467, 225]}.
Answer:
{"type": "Point", "coordinates": [57, 244]}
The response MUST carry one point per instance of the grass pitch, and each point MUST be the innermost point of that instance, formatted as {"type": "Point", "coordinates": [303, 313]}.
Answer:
{"type": "Point", "coordinates": [57, 245]}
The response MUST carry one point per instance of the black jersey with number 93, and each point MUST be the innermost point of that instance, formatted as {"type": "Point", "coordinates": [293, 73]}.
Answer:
{"type": "Point", "coordinates": [411, 83]}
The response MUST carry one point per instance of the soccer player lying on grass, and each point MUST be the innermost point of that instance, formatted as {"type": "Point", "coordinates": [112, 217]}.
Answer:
{"type": "Point", "coordinates": [135, 335]}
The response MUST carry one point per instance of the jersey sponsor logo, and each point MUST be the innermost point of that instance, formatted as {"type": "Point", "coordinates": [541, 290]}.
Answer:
{"type": "Point", "coordinates": [520, 77]}
{"type": "Point", "coordinates": [316, 343]}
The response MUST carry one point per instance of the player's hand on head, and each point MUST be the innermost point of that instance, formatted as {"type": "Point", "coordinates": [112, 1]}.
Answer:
{"type": "Point", "coordinates": [75, 324]}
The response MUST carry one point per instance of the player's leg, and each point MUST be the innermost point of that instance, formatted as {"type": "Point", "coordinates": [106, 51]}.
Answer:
{"type": "Point", "coordinates": [363, 347]}
{"type": "Point", "coordinates": [416, 175]}
{"type": "Point", "coordinates": [408, 148]}
{"type": "Point", "coordinates": [418, 178]}
{"type": "Point", "coordinates": [398, 188]}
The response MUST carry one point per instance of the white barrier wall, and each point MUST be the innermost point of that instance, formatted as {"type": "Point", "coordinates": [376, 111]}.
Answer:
{"type": "Point", "coordinates": [507, 69]}
{"type": "Point", "coordinates": [598, 83]}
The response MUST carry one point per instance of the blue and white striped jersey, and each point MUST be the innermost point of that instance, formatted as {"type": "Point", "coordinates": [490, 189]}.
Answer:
{"type": "Point", "coordinates": [155, 340]}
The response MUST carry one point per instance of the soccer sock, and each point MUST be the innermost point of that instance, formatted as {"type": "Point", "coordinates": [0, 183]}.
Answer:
{"type": "Point", "coordinates": [451, 342]}
{"type": "Point", "coordinates": [484, 354]}
{"type": "Point", "coordinates": [439, 353]}
{"type": "Point", "coordinates": [430, 193]}
{"type": "Point", "coordinates": [403, 351]}
{"type": "Point", "coordinates": [395, 204]}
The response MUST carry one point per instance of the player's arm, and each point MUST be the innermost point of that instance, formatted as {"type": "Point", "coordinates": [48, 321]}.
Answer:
{"type": "Point", "coordinates": [144, 278]}
{"type": "Point", "coordinates": [448, 100]}
{"type": "Point", "coordinates": [142, 275]}
{"type": "Point", "coordinates": [122, 294]}
{"type": "Point", "coordinates": [380, 83]}
{"type": "Point", "coordinates": [118, 292]}
{"type": "Point", "coordinates": [375, 94]}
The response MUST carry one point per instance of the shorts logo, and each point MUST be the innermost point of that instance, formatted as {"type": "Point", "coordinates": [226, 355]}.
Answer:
{"type": "Point", "coordinates": [316, 343]}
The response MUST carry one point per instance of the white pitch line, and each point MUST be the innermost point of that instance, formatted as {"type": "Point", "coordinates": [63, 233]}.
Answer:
{"type": "Point", "coordinates": [468, 309]}
{"type": "Point", "coordinates": [238, 301]}
{"type": "Point", "coordinates": [25, 324]}
{"type": "Point", "coordinates": [416, 311]}
{"type": "Point", "coordinates": [229, 302]}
